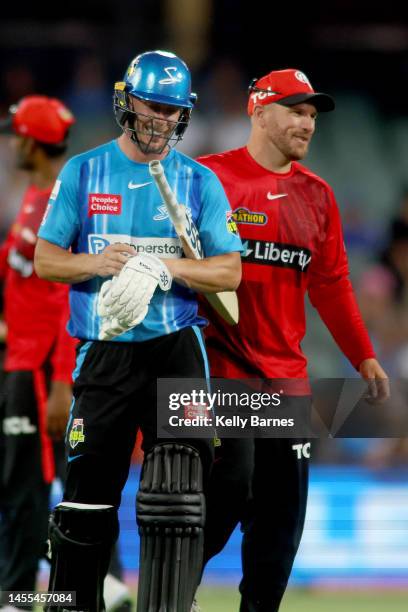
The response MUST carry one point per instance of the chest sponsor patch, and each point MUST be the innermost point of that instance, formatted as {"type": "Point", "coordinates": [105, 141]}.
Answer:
{"type": "Point", "coordinates": [104, 204]}
{"type": "Point", "coordinates": [276, 254]}
{"type": "Point", "coordinates": [249, 217]}
{"type": "Point", "coordinates": [169, 248]}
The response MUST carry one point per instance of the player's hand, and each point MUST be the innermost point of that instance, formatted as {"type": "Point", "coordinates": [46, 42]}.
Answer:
{"type": "Point", "coordinates": [58, 405]}
{"type": "Point", "coordinates": [112, 259]}
{"type": "Point", "coordinates": [124, 301]}
{"type": "Point", "coordinates": [377, 379]}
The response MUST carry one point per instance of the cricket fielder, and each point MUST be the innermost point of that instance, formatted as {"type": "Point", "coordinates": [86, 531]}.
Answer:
{"type": "Point", "coordinates": [291, 231]}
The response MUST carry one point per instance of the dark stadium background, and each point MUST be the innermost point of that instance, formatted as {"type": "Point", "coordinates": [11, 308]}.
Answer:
{"type": "Point", "coordinates": [357, 531]}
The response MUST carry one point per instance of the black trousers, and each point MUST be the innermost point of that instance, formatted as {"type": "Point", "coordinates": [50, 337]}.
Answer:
{"type": "Point", "coordinates": [27, 462]}
{"type": "Point", "coordinates": [263, 484]}
{"type": "Point", "coordinates": [115, 393]}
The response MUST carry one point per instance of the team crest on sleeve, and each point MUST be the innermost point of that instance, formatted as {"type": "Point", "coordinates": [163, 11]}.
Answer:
{"type": "Point", "coordinates": [249, 217]}
{"type": "Point", "coordinates": [76, 435]}
{"type": "Point", "coordinates": [231, 225]}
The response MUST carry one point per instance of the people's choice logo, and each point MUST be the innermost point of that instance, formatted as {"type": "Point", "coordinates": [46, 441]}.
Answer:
{"type": "Point", "coordinates": [104, 204]}
{"type": "Point", "coordinates": [172, 76]}
{"type": "Point", "coordinates": [302, 78]}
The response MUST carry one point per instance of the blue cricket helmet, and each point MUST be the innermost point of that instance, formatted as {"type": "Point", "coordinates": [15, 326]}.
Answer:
{"type": "Point", "coordinates": [160, 76]}
{"type": "Point", "coordinates": [154, 76]}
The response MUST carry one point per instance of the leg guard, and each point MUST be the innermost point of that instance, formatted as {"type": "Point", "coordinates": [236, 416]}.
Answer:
{"type": "Point", "coordinates": [170, 514]}
{"type": "Point", "coordinates": [81, 537]}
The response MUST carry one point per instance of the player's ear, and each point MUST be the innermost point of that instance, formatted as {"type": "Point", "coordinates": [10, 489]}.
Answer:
{"type": "Point", "coordinates": [258, 115]}
{"type": "Point", "coordinates": [29, 145]}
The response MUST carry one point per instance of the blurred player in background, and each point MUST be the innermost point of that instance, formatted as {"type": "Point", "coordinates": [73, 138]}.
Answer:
{"type": "Point", "coordinates": [40, 357]}
{"type": "Point", "coordinates": [40, 354]}
{"type": "Point", "coordinates": [107, 209]}
{"type": "Point", "coordinates": [292, 237]}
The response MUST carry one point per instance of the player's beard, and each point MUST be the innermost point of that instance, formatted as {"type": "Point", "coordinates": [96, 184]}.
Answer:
{"type": "Point", "coordinates": [289, 144]}
{"type": "Point", "coordinates": [293, 148]}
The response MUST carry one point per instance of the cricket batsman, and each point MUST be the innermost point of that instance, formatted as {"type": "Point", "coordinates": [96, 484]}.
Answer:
{"type": "Point", "coordinates": [134, 309]}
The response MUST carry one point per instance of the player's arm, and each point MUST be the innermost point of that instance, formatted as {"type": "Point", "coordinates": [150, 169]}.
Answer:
{"type": "Point", "coordinates": [63, 364]}
{"type": "Point", "coordinates": [60, 228]}
{"type": "Point", "coordinates": [55, 263]}
{"type": "Point", "coordinates": [210, 275]}
{"type": "Point", "coordinates": [331, 293]}
{"type": "Point", "coordinates": [220, 269]}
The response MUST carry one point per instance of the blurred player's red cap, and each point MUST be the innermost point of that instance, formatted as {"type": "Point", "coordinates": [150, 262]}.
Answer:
{"type": "Point", "coordinates": [287, 87]}
{"type": "Point", "coordinates": [44, 119]}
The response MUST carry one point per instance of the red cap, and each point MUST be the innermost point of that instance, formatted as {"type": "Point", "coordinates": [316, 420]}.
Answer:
{"type": "Point", "coordinates": [44, 119]}
{"type": "Point", "coordinates": [288, 87]}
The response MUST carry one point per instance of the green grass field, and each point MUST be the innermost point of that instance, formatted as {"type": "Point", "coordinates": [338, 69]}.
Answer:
{"type": "Point", "coordinates": [219, 599]}
{"type": "Point", "coordinates": [226, 599]}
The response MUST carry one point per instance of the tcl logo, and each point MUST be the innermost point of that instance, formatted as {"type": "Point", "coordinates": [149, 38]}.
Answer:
{"type": "Point", "coordinates": [14, 426]}
{"type": "Point", "coordinates": [302, 450]}
{"type": "Point", "coordinates": [261, 95]}
{"type": "Point", "coordinates": [104, 204]}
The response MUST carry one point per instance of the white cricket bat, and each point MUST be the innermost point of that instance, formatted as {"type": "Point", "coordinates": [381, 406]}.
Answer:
{"type": "Point", "coordinates": [225, 302]}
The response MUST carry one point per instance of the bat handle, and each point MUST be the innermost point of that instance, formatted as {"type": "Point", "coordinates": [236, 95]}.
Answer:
{"type": "Point", "coordinates": [155, 167]}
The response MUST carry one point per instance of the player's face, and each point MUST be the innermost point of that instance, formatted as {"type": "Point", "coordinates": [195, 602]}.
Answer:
{"type": "Point", "coordinates": [154, 123]}
{"type": "Point", "coordinates": [290, 128]}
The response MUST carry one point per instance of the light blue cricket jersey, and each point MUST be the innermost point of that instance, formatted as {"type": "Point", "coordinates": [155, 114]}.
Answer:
{"type": "Point", "coordinates": [102, 197]}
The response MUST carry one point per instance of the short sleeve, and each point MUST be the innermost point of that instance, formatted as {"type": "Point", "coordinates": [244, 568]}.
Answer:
{"type": "Point", "coordinates": [216, 226]}
{"type": "Point", "coordinates": [60, 224]}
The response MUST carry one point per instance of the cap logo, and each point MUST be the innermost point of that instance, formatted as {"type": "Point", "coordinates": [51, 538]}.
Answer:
{"type": "Point", "coordinates": [302, 78]}
{"type": "Point", "coordinates": [261, 95]}
{"type": "Point", "coordinates": [65, 114]}
{"type": "Point", "coordinates": [172, 76]}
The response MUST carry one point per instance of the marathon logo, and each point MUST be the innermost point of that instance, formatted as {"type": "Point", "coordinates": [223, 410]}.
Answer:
{"type": "Point", "coordinates": [277, 254]}
{"type": "Point", "coordinates": [248, 217]}
{"type": "Point", "coordinates": [104, 204]}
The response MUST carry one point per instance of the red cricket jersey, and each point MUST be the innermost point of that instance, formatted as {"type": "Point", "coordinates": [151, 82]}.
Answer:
{"type": "Point", "coordinates": [291, 231]}
{"type": "Point", "coordinates": [35, 310]}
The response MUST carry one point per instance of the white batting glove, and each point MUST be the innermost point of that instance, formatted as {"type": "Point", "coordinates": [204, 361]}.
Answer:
{"type": "Point", "coordinates": [124, 301]}
{"type": "Point", "coordinates": [111, 327]}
